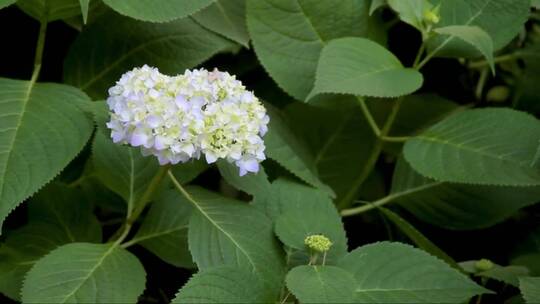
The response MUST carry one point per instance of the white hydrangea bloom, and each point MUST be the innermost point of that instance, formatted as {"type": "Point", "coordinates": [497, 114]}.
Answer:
{"type": "Point", "coordinates": [179, 118]}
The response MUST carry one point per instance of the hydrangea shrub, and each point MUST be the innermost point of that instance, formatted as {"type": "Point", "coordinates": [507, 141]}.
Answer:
{"type": "Point", "coordinates": [271, 151]}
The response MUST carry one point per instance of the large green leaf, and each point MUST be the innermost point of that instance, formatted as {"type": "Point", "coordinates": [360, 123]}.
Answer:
{"type": "Point", "coordinates": [359, 66]}
{"type": "Point", "coordinates": [157, 10]}
{"type": "Point", "coordinates": [172, 47]}
{"type": "Point", "coordinates": [290, 152]}
{"type": "Point", "coordinates": [530, 288]}
{"type": "Point", "coordinates": [121, 168]}
{"type": "Point", "coordinates": [473, 35]}
{"type": "Point", "coordinates": [321, 284]}
{"type": "Point", "coordinates": [479, 147]}
{"type": "Point", "coordinates": [164, 229]}
{"type": "Point", "coordinates": [4, 3]}
{"type": "Point", "coordinates": [43, 127]}
{"type": "Point", "coordinates": [307, 211]}
{"type": "Point", "coordinates": [288, 36]}
{"type": "Point", "coordinates": [57, 215]}
{"type": "Point", "coordinates": [457, 206]}
{"type": "Point", "coordinates": [223, 285]}
{"type": "Point", "coordinates": [226, 17]}
{"type": "Point", "coordinates": [50, 10]}
{"type": "Point", "coordinates": [340, 140]}
{"type": "Point", "coordinates": [502, 20]}
{"type": "Point", "coordinates": [85, 273]}
{"type": "Point", "coordinates": [397, 273]}
{"type": "Point", "coordinates": [223, 231]}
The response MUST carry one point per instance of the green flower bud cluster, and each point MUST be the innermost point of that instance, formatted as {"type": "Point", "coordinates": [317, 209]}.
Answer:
{"type": "Point", "coordinates": [318, 243]}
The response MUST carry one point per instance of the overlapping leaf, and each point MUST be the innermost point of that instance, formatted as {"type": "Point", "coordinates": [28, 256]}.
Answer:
{"type": "Point", "coordinates": [50, 10]}
{"type": "Point", "coordinates": [359, 66]}
{"type": "Point", "coordinates": [457, 206]}
{"type": "Point", "coordinates": [172, 47]}
{"type": "Point", "coordinates": [223, 285]}
{"type": "Point", "coordinates": [479, 147]}
{"type": "Point", "coordinates": [321, 284]}
{"type": "Point", "coordinates": [288, 36]}
{"type": "Point", "coordinates": [226, 17]}
{"type": "Point", "coordinates": [530, 288]}
{"type": "Point", "coordinates": [57, 215]}
{"type": "Point", "coordinates": [227, 232]}
{"type": "Point", "coordinates": [157, 10]}
{"type": "Point", "coordinates": [43, 127]}
{"type": "Point", "coordinates": [392, 272]}
{"type": "Point", "coordinates": [502, 20]}
{"type": "Point", "coordinates": [164, 229]}
{"type": "Point", "coordinates": [85, 273]}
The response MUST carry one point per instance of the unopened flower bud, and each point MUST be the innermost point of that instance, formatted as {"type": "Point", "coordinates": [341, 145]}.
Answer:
{"type": "Point", "coordinates": [318, 243]}
{"type": "Point", "coordinates": [483, 265]}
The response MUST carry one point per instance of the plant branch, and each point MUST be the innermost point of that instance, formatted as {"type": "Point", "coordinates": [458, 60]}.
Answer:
{"type": "Point", "coordinates": [387, 199]}
{"type": "Point", "coordinates": [133, 215]}
{"type": "Point", "coordinates": [369, 117]}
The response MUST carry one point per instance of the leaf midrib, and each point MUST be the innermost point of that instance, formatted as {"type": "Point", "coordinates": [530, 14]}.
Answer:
{"type": "Point", "coordinates": [205, 214]}
{"type": "Point", "coordinates": [92, 270]}
{"type": "Point", "coordinates": [447, 40]}
{"type": "Point", "coordinates": [25, 100]}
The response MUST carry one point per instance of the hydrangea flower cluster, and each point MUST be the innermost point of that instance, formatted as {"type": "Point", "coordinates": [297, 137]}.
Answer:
{"type": "Point", "coordinates": [179, 118]}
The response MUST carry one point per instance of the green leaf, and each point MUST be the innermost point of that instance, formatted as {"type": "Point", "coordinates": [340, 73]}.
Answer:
{"type": "Point", "coordinates": [411, 11]}
{"type": "Point", "coordinates": [457, 206]}
{"type": "Point", "coordinates": [157, 10]}
{"type": "Point", "coordinates": [376, 4]}
{"type": "Point", "coordinates": [530, 260]}
{"type": "Point", "coordinates": [5, 3]}
{"type": "Point", "coordinates": [57, 215]}
{"type": "Point", "coordinates": [226, 232]}
{"type": "Point", "coordinates": [340, 140]}
{"type": "Point", "coordinates": [85, 273]}
{"type": "Point", "coordinates": [507, 274]}
{"type": "Point", "coordinates": [172, 47]}
{"type": "Point", "coordinates": [479, 147]}
{"type": "Point", "coordinates": [187, 172]}
{"type": "Point", "coordinates": [502, 20]}
{"type": "Point", "coordinates": [474, 35]}
{"type": "Point", "coordinates": [418, 238]}
{"type": "Point", "coordinates": [393, 272]}
{"type": "Point", "coordinates": [359, 66]}
{"type": "Point", "coordinates": [50, 10]}
{"type": "Point", "coordinates": [535, 4]}
{"type": "Point", "coordinates": [530, 288]}
{"type": "Point", "coordinates": [307, 211]}
{"type": "Point", "coordinates": [290, 152]}
{"type": "Point", "coordinates": [223, 285]}
{"type": "Point", "coordinates": [21, 249]}
{"type": "Point", "coordinates": [121, 168]}
{"type": "Point", "coordinates": [164, 229]}
{"type": "Point", "coordinates": [321, 284]}
{"type": "Point", "coordinates": [43, 129]}
{"type": "Point", "coordinates": [226, 17]}
{"type": "Point", "coordinates": [288, 36]}
{"type": "Point", "coordinates": [254, 184]}
{"type": "Point", "coordinates": [84, 9]}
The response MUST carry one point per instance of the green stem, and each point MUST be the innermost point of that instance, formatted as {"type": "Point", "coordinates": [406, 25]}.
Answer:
{"type": "Point", "coordinates": [481, 83]}
{"type": "Point", "coordinates": [181, 189]}
{"type": "Point", "coordinates": [498, 59]}
{"type": "Point", "coordinates": [133, 213]}
{"type": "Point", "coordinates": [369, 117]}
{"type": "Point", "coordinates": [419, 54]}
{"type": "Point", "coordinates": [387, 199]}
{"type": "Point", "coordinates": [397, 139]}
{"type": "Point", "coordinates": [39, 48]}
